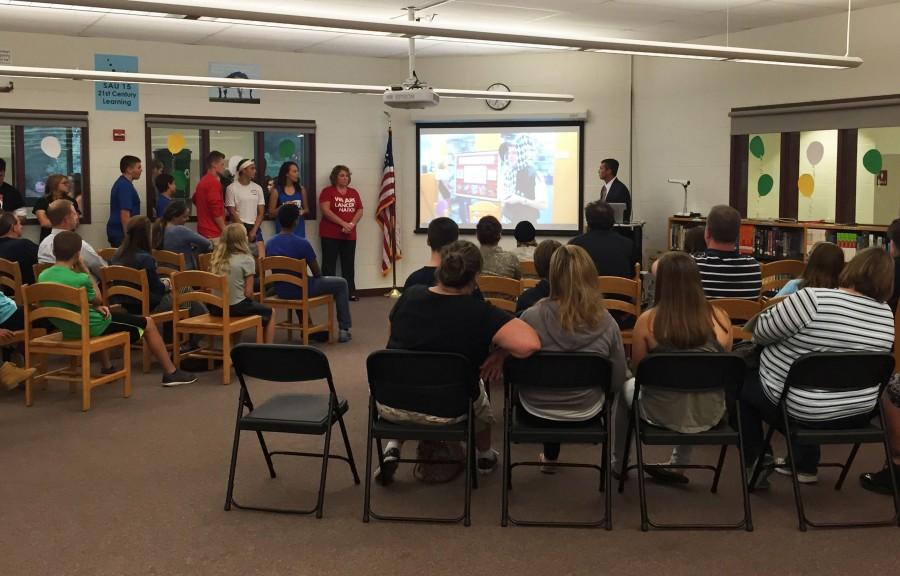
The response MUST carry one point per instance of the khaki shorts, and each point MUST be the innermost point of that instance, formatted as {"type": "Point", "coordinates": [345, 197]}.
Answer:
{"type": "Point", "coordinates": [481, 407]}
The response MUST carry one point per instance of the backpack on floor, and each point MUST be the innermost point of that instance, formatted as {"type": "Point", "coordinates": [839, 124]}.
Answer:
{"type": "Point", "coordinates": [439, 473]}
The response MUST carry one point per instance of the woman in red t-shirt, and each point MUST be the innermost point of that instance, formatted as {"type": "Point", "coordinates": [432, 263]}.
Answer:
{"type": "Point", "coordinates": [341, 210]}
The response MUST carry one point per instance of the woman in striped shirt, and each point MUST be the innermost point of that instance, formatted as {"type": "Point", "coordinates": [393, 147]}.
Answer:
{"type": "Point", "coordinates": [853, 317]}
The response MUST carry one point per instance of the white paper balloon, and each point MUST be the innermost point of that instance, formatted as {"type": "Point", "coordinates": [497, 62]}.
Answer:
{"type": "Point", "coordinates": [232, 164]}
{"type": "Point", "coordinates": [814, 152]}
{"type": "Point", "coordinates": [51, 147]}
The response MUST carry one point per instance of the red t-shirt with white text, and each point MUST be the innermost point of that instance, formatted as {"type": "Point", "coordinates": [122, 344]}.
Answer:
{"type": "Point", "coordinates": [344, 206]}
{"type": "Point", "coordinates": [209, 203]}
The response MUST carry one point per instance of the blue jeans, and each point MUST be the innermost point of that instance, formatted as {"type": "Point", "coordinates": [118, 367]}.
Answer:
{"type": "Point", "coordinates": [337, 287]}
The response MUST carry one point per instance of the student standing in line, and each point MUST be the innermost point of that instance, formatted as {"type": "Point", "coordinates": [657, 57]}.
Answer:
{"type": "Point", "coordinates": [342, 209]}
{"type": "Point", "coordinates": [287, 189]}
{"type": "Point", "coordinates": [165, 187]}
{"type": "Point", "coordinates": [246, 203]}
{"type": "Point", "coordinates": [55, 188]}
{"type": "Point", "coordinates": [124, 201]}
{"type": "Point", "coordinates": [209, 201]}
{"type": "Point", "coordinates": [10, 198]}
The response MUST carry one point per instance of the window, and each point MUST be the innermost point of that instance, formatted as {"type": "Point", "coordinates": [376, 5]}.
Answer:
{"type": "Point", "coordinates": [269, 142]}
{"type": "Point", "coordinates": [37, 144]}
{"type": "Point", "coordinates": [763, 175]}
{"type": "Point", "coordinates": [877, 175]}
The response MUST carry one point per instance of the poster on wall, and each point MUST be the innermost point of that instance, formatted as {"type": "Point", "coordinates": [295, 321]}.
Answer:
{"type": "Point", "coordinates": [232, 94]}
{"type": "Point", "coordinates": [121, 96]}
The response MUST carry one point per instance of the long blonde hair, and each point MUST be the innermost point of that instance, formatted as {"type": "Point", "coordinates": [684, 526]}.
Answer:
{"type": "Point", "coordinates": [233, 241]}
{"type": "Point", "coordinates": [573, 284]}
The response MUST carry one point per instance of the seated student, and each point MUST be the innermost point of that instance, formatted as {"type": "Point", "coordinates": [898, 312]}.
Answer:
{"type": "Point", "coordinates": [851, 318]}
{"type": "Point", "coordinates": [572, 319]}
{"type": "Point", "coordinates": [525, 240]}
{"type": "Point", "coordinates": [542, 256]}
{"type": "Point", "coordinates": [11, 320]}
{"type": "Point", "coordinates": [63, 217]}
{"type": "Point", "coordinates": [170, 233]}
{"type": "Point", "coordinates": [443, 319]}
{"type": "Point", "coordinates": [496, 261]}
{"type": "Point", "coordinates": [612, 253]}
{"type": "Point", "coordinates": [694, 240]}
{"type": "Point", "coordinates": [822, 269]}
{"type": "Point", "coordinates": [165, 187]}
{"type": "Point", "coordinates": [17, 249]}
{"type": "Point", "coordinates": [134, 252]}
{"type": "Point", "coordinates": [231, 257]}
{"type": "Point", "coordinates": [287, 243]}
{"type": "Point", "coordinates": [70, 270]}
{"type": "Point", "coordinates": [680, 320]}
{"type": "Point", "coordinates": [725, 272]}
{"type": "Point", "coordinates": [441, 232]}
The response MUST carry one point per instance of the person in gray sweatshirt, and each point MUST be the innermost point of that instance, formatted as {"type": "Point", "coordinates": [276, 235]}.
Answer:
{"type": "Point", "coordinates": [572, 319]}
{"type": "Point", "coordinates": [170, 233]}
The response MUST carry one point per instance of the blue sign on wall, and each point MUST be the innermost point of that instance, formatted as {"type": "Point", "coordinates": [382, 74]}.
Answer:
{"type": "Point", "coordinates": [116, 95]}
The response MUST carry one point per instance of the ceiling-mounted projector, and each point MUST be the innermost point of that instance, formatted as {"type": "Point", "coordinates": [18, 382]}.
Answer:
{"type": "Point", "coordinates": [408, 97]}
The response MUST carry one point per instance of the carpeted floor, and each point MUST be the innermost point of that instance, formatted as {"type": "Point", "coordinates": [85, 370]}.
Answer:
{"type": "Point", "coordinates": [137, 486]}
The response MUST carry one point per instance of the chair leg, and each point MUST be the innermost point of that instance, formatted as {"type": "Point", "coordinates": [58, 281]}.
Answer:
{"type": "Point", "coordinates": [507, 465]}
{"type": "Point", "coordinates": [30, 382]}
{"type": "Point", "coordinates": [234, 452]}
{"type": "Point", "coordinates": [846, 468]}
{"type": "Point", "coordinates": [367, 481]}
{"type": "Point", "coordinates": [623, 469]}
{"type": "Point", "coordinates": [340, 420]}
{"type": "Point", "coordinates": [798, 499]}
{"type": "Point", "coordinates": [757, 466]}
{"type": "Point", "coordinates": [745, 492]}
{"type": "Point", "coordinates": [639, 455]}
{"type": "Point", "coordinates": [320, 503]}
{"type": "Point", "coordinates": [304, 313]}
{"type": "Point", "coordinates": [266, 454]}
{"type": "Point", "coordinates": [259, 331]}
{"type": "Point", "coordinates": [176, 349]}
{"type": "Point", "coordinates": [607, 474]}
{"type": "Point", "coordinates": [145, 353]}
{"type": "Point", "coordinates": [290, 319]}
{"type": "Point", "coordinates": [331, 322]}
{"type": "Point", "coordinates": [126, 384]}
{"type": "Point", "coordinates": [718, 474]}
{"type": "Point", "coordinates": [470, 461]}
{"type": "Point", "coordinates": [85, 381]}
{"type": "Point", "coordinates": [226, 358]}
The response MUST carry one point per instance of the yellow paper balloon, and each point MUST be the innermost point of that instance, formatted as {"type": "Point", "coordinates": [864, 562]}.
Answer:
{"type": "Point", "coordinates": [175, 143]}
{"type": "Point", "coordinates": [806, 184]}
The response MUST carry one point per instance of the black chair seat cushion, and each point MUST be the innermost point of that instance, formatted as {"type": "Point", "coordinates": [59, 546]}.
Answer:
{"type": "Point", "coordinates": [721, 434]}
{"type": "Point", "coordinates": [529, 429]}
{"type": "Point", "coordinates": [869, 434]}
{"type": "Point", "coordinates": [384, 429]}
{"type": "Point", "coordinates": [297, 413]}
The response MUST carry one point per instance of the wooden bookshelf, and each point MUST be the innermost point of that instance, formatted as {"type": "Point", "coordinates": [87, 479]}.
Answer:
{"type": "Point", "coordinates": [768, 240]}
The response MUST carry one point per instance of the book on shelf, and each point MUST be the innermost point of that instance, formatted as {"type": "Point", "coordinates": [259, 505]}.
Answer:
{"type": "Point", "coordinates": [777, 243]}
{"type": "Point", "coordinates": [745, 244]}
{"type": "Point", "coordinates": [813, 237]}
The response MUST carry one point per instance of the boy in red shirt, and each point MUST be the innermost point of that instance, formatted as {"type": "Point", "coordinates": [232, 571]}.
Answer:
{"type": "Point", "coordinates": [209, 202]}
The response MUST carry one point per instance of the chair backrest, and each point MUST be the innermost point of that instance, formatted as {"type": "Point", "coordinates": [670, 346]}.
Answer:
{"type": "Point", "coordinates": [776, 274]}
{"type": "Point", "coordinates": [199, 286]}
{"type": "Point", "coordinates": [739, 311]}
{"type": "Point", "coordinates": [39, 267]}
{"type": "Point", "coordinates": [107, 253]}
{"type": "Point", "coordinates": [528, 269]}
{"type": "Point", "coordinates": [559, 370]}
{"type": "Point", "coordinates": [203, 261]}
{"type": "Point", "coordinates": [125, 282]}
{"type": "Point", "coordinates": [500, 291]}
{"type": "Point", "coordinates": [691, 371]}
{"type": "Point", "coordinates": [11, 279]}
{"type": "Point", "coordinates": [769, 302]}
{"type": "Point", "coordinates": [281, 363]}
{"type": "Point", "coordinates": [527, 283]}
{"type": "Point", "coordinates": [168, 262]}
{"type": "Point", "coordinates": [283, 269]}
{"type": "Point", "coordinates": [444, 383]}
{"type": "Point", "coordinates": [839, 371]}
{"type": "Point", "coordinates": [629, 288]}
{"type": "Point", "coordinates": [35, 297]}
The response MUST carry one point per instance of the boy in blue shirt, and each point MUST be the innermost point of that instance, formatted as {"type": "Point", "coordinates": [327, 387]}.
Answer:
{"type": "Point", "coordinates": [124, 201]}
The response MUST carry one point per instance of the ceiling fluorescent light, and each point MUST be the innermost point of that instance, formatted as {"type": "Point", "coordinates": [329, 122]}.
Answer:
{"type": "Point", "coordinates": [281, 85]}
{"type": "Point", "coordinates": [661, 54]}
{"type": "Point", "coordinates": [751, 61]}
{"type": "Point", "coordinates": [412, 29]}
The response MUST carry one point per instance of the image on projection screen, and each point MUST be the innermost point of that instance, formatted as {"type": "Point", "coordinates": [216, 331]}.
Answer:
{"type": "Point", "coordinates": [524, 172]}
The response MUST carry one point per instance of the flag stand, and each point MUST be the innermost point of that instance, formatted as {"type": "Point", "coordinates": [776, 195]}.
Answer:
{"type": "Point", "coordinates": [394, 292]}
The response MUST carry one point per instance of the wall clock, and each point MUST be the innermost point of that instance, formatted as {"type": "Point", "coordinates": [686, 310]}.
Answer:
{"type": "Point", "coordinates": [498, 103]}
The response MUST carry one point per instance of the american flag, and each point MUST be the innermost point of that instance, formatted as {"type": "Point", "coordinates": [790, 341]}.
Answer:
{"type": "Point", "coordinates": [386, 214]}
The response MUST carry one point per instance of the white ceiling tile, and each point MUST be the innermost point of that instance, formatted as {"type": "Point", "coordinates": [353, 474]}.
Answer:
{"type": "Point", "coordinates": [267, 38]}
{"type": "Point", "coordinates": [27, 19]}
{"type": "Point", "coordinates": [160, 29]}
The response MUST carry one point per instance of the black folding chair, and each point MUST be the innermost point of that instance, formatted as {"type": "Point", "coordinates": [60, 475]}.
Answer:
{"type": "Point", "coordinates": [835, 372]}
{"type": "Point", "coordinates": [312, 414]}
{"type": "Point", "coordinates": [560, 371]}
{"type": "Point", "coordinates": [407, 380]}
{"type": "Point", "coordinates": [687, 372]}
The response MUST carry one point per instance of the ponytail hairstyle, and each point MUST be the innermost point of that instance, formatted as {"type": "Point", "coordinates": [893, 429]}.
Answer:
{"type": "Point", "coordinates": [233, 241]}
{"type": "Point", "coordinates": [460, 264]}
{"type": "Point", "coordinates": [137, 239]}
{"type": "Point", "coordinates": [175, 209]}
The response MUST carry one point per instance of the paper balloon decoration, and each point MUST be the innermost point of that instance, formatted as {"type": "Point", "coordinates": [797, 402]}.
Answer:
{"type": "Point", "coordinates": [814, 152]}
{"type": "Point", "coordinates": [872, 161]}
{"type": "Point", "coordinates": [175, 142]}
{"type": "Point", "coordinates": [232, 164]}
{"type": "Point", "coordinates": [286, 148]}
{"type": "Point", "coordinates": [757, 148]}
{"type": "Point", "coordinates": [50, 146]}
{"type": "Point", "coordinates": [764, 185]}
{"type": "Point", "coordinates": [806, 184]}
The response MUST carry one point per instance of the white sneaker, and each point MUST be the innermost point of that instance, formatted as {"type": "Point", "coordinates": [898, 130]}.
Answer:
{"type": "Point", "coordinates": [487, 464]}
{"type": "Point", "coordinates": [547, 469]}
{"type": "Point", "coordinates": [783, 467]}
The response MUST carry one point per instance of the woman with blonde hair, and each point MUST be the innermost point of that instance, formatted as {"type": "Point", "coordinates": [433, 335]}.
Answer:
{"type": "Point", "coordinates": [231, 257]}
{"type": "Point", "coordinates": [56, 187]}
{"type": "Point", "coordinates": [572, 319]}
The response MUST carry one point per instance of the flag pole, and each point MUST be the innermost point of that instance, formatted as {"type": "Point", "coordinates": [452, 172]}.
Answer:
{"type": "Point", "coordinates": [394, 293]}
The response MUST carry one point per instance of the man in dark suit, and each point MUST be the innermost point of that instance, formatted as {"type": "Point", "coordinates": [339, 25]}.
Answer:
{"type": "Point", "coordinates": [611, 252]}
{"type": "Point", "coordinates": [614, 191]}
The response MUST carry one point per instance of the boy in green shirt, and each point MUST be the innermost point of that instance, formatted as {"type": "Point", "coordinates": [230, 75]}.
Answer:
{"type": "Point", "coordinates": [71, 271]}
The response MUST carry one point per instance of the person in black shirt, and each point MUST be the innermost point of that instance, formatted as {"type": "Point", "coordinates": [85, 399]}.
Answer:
{"type": "Point", "coordinates": [441, 232]}
{"type": "Point", "coordinates": [10, 199]}
{"type": "Point", "coordinates": [542, 255]}
{"type": "Point", "coordinates": [443, 319]}
{"type": "Point", "coordinates": [612, 253]}
{"type": "Point", "coordinates": [16, 249]}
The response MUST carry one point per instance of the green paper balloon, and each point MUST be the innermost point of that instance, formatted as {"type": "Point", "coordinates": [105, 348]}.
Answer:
{"type": "Point", "coordinates": [765, 184]}
{"type": "Point", "coordinates": [757, 148]}
{"type": "Point", "coordinates": [286, 148]}
{"type": "Point", "coordinates": [872, 161]}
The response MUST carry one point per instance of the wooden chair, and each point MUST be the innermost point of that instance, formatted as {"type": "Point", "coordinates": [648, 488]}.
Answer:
{"type": "Point", "coordinates": [629, 288]}
{"type": "Point", "coordinates": [769, 302]}
{"type": "Point", "coordinates": [291, 271]}
{"type": "Point", "coordinates": [776, 274]}
{"type": "Point", "coordinates": [212, 290]}
{"type": "Point", "coordinates": [39, 267]}
{"type": "Point", "coordinates": [133, 284]}
{"type": "Point", "coordinates": [500, 291]}
{"type": "Point", "coordinates": [739, 310]}
{"type": "Point", "coordinates": [203, 261]}
{"type": "Point", "coordinates": [168, 263]}
{"type": "Point", "coordinates": [11, 283]}
{"type": "Point", "coordinates": [107, 253]}
{"type": "Point", "coordinates": [79, 351]}
{"type": "Point", "coordinates": [528, 269]}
